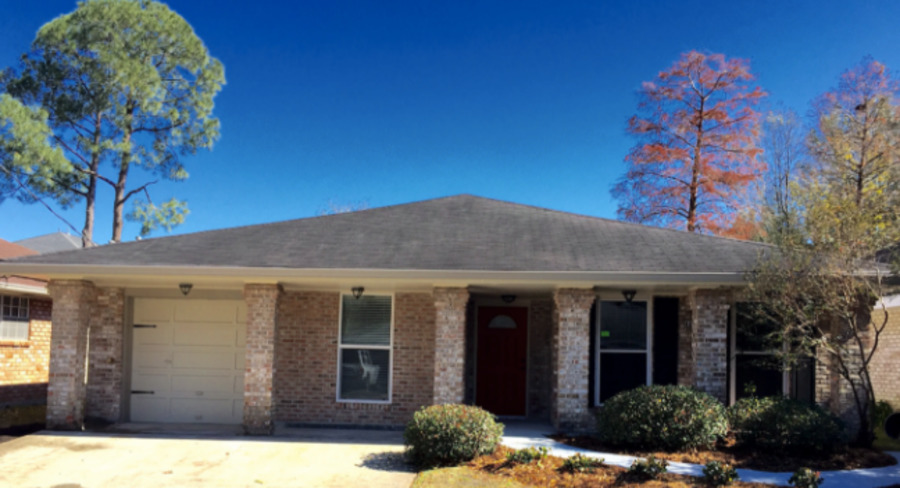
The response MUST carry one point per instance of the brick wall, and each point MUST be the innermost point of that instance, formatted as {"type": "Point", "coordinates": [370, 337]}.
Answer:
{"type": "Point", "coordinates": [262, 308]}
{"type": "Point", "coordinates": [449, 344]}
{"type": "Point", "coordinates": [24, 365]}
{"type": "Point", "coordinates": [306, 361]}
{"type": "Point", "coordinates": [570, 355]}
{"type": "Point", "coordinates": [105, 356]}
{"type": "Point", "coordinates": [73, 303]}
{"type": "Point", "coordinates": [539, 374]}
{"type": "Point", "coordinates": [703, 342]}
{"type": "Point", "coordinates": [885, 366]}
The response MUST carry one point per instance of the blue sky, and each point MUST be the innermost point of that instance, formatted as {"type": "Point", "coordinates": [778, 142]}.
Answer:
{"type": "Point", "coordinates": [391, 102]}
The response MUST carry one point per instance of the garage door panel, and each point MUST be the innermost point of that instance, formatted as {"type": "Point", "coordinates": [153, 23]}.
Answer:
{"type": "Point", "coordinates": [193, 361]}
{"type": "Point", "coordinates": [152, 311]}
{"type": "Point", "coordinates": [206, 311]}
{"type": "Point", "coordinates": [160, 334]}
{"type": "Point", "coordinates": [204, 410]}
{"type": "Point", "coordinates": [206, 384]}
{"type": "Point", "coordinates": [152, 358]}
{"type": "Point", "coordinates": [205, 335]}
{"type": "Point", "coordinates": [151, 382]}
{"type": "Point", "coordinates": [147, 408]}
{"type": "Point", "coordinates": [206, 359]}
{"type": "Point", "coordinates": [241, 336]}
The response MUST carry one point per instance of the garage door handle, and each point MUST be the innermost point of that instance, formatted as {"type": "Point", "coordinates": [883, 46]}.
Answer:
{"type": "Point", "coordinates": [142, 392]}
{"type": "Point", "coordinates": [144, 326]}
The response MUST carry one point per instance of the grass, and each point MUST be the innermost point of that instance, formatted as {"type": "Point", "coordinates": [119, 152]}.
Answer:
{"type": "Point", "coordinates": [885, 443]}
{"type": "Point", "coordinates": [461, 477]}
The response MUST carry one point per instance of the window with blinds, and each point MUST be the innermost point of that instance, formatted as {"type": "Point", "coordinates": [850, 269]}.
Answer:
{"type": "Point", "coordinates": [14, 318]}
{"type": "Point", "coordinates": [364, 349]}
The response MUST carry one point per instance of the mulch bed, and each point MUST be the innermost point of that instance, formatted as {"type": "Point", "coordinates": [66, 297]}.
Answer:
{"type": "Point", "coordinates": [547, 474]}
{"type": "Point", "coordinates": [728, 452]}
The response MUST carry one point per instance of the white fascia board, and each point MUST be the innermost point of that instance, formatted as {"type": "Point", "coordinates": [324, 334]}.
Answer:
{"type": "Point", "coordinates": [588, 278]}
{"type": "Point", "coordinates": [31, 290]}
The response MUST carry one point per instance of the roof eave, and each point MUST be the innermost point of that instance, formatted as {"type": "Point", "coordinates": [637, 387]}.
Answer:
{"type": "Point", "coordinates": [589, 278]}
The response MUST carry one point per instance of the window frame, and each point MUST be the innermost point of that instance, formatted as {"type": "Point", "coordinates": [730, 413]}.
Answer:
{"type": "Point", "coordinates": [18, 320]}
{"type": "Point", "coordinates": [647, 351]}
{"type": "Point", "coordinates": [389, 348]}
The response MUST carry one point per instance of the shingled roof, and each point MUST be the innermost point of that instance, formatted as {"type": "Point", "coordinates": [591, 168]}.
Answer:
{"type": "Point", "coordinates": [462, 232]}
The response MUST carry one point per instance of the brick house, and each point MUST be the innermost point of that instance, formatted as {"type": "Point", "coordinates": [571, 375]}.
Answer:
{"type": "Point", "coordinates": [362, 318]}
{"type": "Point", "coordinates": [24, 339]}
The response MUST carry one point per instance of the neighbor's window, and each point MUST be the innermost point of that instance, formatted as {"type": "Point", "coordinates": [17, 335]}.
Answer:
{"type": "Point", "coordinates": [364, 351]}
{"type": "Point", "coordinates": [622, 353]}
{"type": "Point", "coordinates": [14, 318]}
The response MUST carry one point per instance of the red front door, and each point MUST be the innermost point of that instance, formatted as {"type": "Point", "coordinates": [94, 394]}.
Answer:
{"type": "Point", "coordinates": [502, 340]}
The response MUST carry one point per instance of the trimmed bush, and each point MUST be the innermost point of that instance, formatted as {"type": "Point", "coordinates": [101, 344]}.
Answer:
{"type": "Point", "coordinates": [668, 418]}
{"type": "Point", "coordinates": [447, 435]}
{"type": "Point", "coordinates": [786, 426]}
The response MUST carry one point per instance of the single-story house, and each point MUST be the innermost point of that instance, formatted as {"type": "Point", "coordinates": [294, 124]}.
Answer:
{"type": "Point", "coordinates": [363, 317]}
{"type": "Point", "coordinates": [24, 340]}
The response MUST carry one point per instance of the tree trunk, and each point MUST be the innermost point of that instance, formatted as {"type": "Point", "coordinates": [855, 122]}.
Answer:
{"type": "Point", "coordinates": [119, 200]}
{"type": "Point", "coordinates": [87, 233]}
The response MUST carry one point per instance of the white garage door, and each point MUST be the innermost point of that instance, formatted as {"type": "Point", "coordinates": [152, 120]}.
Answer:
{"type": "Point", "coordinates": [188, 361]}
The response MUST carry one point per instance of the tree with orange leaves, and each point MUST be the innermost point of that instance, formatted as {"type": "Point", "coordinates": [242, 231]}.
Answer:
{"type": "Point", "coordinates": [698, 152]}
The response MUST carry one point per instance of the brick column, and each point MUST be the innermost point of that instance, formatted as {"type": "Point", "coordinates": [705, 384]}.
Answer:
{"type": "Point", "coordinates": [73, 302]}
{"type": "Point", "coordinates": [449, 344]}
{"type": "Point", "coordinates": [703, 342]}
{"type": "Point", "coordinates": [570, 357]}
{"type": "Point", "coordinates": [105, 348]}
{"type": "Point", "coordinates": [262, 306]}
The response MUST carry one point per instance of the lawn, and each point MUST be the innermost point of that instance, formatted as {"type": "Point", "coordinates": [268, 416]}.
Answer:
{"type": "Point", "coordinates": [885, 443]}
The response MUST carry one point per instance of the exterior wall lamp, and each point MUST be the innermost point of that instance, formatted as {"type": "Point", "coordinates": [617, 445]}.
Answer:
{"type": "Point", "coordinates": [357, 291]}
{"type": "Point", "coordinates": [185, 288]}
{"type": "Point", "coordinates": [629, 295]}
{"type": "Point", "coordinates": [508, 298]}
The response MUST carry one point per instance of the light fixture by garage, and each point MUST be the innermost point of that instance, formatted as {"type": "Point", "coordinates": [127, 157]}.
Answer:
{"type": "Point", "coordinates": [357, 291]}
{"type": "Point", "coordinates": [185, 288]}
{"type": "Point", "coordinates": [629, 295]}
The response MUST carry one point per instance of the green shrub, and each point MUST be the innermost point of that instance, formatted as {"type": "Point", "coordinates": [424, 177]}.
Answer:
{"type": "Point", "coordinates": [527, 455]}
{"type": "Point", "coordinates": [648, 469]}
{"type": "Point", "coordinates": [716, 473]}
{"type": "Point", "coordinates": [670, 418]}
{"type": "Point", "coordinates": [579, 463]}
{"type": "Point", "coordinates": [880, 412]}
{"type": "Point", "coordinates": [446, 435]}
{"type": "Point", "coordinates": [806, 478]}
{"type": "Point", "coordinates": [786, 426]}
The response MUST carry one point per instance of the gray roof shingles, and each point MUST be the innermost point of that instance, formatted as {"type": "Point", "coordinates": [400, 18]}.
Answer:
{"type": "Point", "coordinates": [461, 232]}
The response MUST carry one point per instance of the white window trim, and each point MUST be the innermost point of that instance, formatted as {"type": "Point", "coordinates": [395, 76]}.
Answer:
{"type": "Point", "coordinates": [648, 351]}
{"type": "Point", "coordinates": [17, 320]}
{"type": "Point", "coordinates": [389, 348]}
{"type": "Point", "coordinates": [732, 361]}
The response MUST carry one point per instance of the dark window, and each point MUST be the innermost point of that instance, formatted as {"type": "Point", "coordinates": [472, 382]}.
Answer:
{"type": "Point", "coordinates": [621, 347]}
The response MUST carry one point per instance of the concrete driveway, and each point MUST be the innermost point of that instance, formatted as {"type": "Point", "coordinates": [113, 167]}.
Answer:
{"type": "Point", "coordinates": [294, 458]}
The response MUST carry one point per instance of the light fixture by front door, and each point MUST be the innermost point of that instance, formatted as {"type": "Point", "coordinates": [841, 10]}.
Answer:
{"type": "Point", "coordinates": [185, 288]}
{"type": "Point", "coordinates": [357, 291]}
{"type": "Point", "coordinates": [508, 298]}
{"type": "Point", "coordinates": [629, 295]}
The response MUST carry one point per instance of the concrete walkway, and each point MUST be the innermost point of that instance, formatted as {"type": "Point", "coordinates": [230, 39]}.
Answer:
{"type": "Point", "coordinates": [521, 435]}
{"type": "Point", "coordinates": [156, 457]}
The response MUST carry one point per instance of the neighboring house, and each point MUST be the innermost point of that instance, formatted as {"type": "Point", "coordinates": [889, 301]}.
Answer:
{"type": "Point", "coordinates": [885, 365]}
{"type": "Point", "coordinates": [24, 337]}
{"type": "Point", "coordinates": [361, 318]}
{"type": "Point", "coordinates": [55, 242]}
